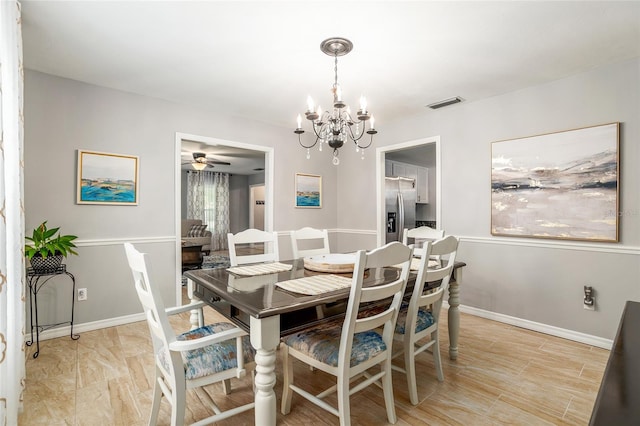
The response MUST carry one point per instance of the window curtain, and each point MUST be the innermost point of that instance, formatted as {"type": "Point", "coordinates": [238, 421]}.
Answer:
{"type": "Point", "coordinates": [12, 278]}
{"type": "Point", "coordinates": [208, 200]}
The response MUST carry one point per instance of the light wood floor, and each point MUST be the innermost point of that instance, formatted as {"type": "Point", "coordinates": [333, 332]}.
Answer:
{"type": "Point", "coordinates": [504, 375]}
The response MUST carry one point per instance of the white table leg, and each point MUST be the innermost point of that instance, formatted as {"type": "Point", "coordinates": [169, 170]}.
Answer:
{"type": "Point", "coordinates": [454, 318]}
{"type": "Point", "coordinates": [265, 337]}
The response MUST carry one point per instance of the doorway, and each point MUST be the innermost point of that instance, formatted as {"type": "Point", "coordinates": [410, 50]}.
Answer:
{"type": "Point", "coordinates": [408, 152]}
{"type": "Point", "coordinates": [225, 156]}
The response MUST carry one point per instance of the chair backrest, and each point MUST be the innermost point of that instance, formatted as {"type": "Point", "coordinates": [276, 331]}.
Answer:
{"type": "Point", "coordinates": [391, 254]}
{"type": "Point", "coordinates": [161, 332]}
{"type": "Point", "coordinates": [446, 249]}
{"type": "Point", "coordinates": [306, 237]}
{"type": "Point", "coordinates": [269, 241]}
{"type": "Point", "coordinates": [420, 236]}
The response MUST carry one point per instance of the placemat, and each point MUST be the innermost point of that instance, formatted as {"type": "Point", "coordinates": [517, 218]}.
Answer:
{"type": "Point", "coordinates": [316, 284]}
{"type": "Point", "coordinates": [261, 269]}
{"type": "Point", "coordinates": [415, 264]}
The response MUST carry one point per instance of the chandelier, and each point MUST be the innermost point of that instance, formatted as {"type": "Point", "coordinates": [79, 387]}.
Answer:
{"type": "Point", "coordinates": [336, 127]}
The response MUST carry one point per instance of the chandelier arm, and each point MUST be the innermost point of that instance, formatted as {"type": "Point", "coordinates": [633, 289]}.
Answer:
{"type": "Point", "coordinates": [356, 137]}
{"type": "Point", "coordinates": [315, 130]}
{"type": "Point", "coordinates": [305, 146]}
{"type": "Point", "coordinates": [367, 145]}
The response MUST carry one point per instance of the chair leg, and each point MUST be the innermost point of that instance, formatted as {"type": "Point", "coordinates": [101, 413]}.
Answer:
{"type": "Point", "coordinates": [155, 405]}
{"type": "Point", "coordinates": [344, 409]}
{"type": "Point", "coordinates": [179, 404]}
{"type": "Point", "coordinates": [287, 380]}
{"type": "Point", "coordinates": [410, 368]}
{"type": "Point", "coordinates": [437, 360]}
{"type": "Point", "coordinates": [387, 387]}
{"type": "Point", "coordinates": [226, 386]}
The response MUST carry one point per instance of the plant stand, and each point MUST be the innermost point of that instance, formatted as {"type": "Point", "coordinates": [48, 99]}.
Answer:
{"type": "Point", "coordinates": [35, 281]}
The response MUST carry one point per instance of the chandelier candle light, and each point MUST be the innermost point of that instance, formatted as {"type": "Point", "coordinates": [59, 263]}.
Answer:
{"type": "Point", "coordinates": [336, 127]}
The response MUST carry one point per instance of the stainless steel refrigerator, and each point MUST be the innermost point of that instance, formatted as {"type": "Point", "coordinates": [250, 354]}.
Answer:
{"type": "Point", "coordinates": [400, 201]}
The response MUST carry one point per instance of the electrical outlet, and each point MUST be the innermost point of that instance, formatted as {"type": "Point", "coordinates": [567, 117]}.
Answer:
{"type": "Point", "coordinates": [589, 301]}
{"type": "Point", "coordinates": [82, 294]}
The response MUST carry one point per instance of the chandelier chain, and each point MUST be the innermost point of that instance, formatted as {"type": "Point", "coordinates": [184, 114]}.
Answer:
{"type": "Point", "coordinates": [335, 70]}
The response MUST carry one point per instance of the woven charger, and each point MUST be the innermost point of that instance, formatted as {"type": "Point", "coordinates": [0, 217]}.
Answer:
{"type": "Point", "coordinates": [335, 263]}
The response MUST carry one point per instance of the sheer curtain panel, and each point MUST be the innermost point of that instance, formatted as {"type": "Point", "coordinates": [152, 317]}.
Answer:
{"type": "Point", "coordinates": [12, 279]}
{"type": "Point", "coordinates": [208, 200]}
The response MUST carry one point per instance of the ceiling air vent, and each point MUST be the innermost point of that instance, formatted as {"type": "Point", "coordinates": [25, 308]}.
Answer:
{"type": "Point", "coordinates": [445, 102]}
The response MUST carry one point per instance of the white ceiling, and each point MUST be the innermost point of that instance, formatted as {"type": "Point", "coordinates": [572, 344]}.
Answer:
{"type": "Point", "coordinates": [261, 59]}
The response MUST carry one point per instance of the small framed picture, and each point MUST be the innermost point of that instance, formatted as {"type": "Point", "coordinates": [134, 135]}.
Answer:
{"type": "Point", "coordinates": [107, 178]}
{"type": "Point", "coordinates": [308, 191]}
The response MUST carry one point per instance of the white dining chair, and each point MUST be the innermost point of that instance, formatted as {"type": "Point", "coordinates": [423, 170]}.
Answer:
{"type": "Point", "coordinates": [420, 317]}
{"type": "Point", "coordinates": [192, 359]}
{"type": "Point", "coordinates": [268, 241]}
{"type": "Point", "coordinates": [314, 241]}
{"type": "Point", "coordinates": [420, 235]}
{"type": "Point", "coordinates": [347, 349]}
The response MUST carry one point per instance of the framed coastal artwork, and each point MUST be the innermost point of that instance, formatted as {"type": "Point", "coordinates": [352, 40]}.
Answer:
{"type": "Point", "coordinates": [561, 185]}
{"type": "Point", "coordinates": [105, 178]}
{"type": "Point", "coordinates": [308, 191]}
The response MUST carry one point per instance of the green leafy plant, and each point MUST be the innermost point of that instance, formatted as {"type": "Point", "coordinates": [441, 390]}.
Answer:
{"type": "Point", "coordinates": [45, 242]}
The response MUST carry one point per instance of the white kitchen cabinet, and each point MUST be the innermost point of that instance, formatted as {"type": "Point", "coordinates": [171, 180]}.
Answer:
{"type": "Point", "coordinates": [422, 185]}
{"type": "Point", "coordinates": [419, 174]}
{"type": "Point", "coordinates": [388, 168]}
{"type": "Point", "coordinates": [395, 168]}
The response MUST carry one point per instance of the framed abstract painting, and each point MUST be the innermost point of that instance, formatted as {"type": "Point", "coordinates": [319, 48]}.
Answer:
{"type": "Point", "coordinates": [562, 185]}
{"type": "Point", "coordinates": [107, 178]}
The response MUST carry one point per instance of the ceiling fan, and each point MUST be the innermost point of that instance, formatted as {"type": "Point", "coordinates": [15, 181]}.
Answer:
{"type": "Point", "coordinates": [201, 162]}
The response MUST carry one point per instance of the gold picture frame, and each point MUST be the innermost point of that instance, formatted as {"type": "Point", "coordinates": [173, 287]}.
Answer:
{"type": "Point", "coordinates": [105, 178]}
{"type": "Point", "coordinates": [308, 191]}
{"type": "Point", "coordinates": [562, 185]}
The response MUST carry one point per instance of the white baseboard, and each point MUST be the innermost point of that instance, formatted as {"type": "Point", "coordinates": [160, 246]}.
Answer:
{"type": "Point", "coordinates": [539, 327]}
{"type": "Point", "coordinates": [54, 333]}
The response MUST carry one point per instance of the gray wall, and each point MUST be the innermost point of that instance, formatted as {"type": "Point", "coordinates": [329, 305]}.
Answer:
{"type": "Point", "coordinates": [532, 280]}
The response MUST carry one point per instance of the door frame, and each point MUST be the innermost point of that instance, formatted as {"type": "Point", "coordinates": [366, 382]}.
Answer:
{"type": "Point", "coordinates": [380, 175]}
{"type": "Point", "coordinates": [268, 193]}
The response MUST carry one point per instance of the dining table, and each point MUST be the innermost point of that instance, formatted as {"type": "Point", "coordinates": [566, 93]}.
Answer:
{"type": "Point", "coordinates": [272, 300]}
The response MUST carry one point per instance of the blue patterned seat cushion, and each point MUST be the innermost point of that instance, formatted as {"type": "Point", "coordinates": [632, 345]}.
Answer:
{"type": "Point", "coordinates": [323, 343]}
{"type": "Point", "coordinates": [425, 319]}
{"type": "Point", "coordinates": [213, 358]}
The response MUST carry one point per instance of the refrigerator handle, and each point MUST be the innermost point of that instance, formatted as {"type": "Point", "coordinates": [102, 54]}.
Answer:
{"type": "Point", "coordinates": [401, 214]}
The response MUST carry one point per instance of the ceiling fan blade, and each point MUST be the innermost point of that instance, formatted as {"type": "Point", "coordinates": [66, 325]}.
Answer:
{"type": "Point", "coordinates": [223, 163]}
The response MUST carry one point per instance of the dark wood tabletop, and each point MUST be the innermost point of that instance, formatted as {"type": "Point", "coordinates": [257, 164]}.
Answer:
{"type": "Point", "coordinates": [238, 297]}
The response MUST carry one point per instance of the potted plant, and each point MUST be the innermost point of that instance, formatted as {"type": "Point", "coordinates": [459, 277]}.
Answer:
{"type": "Point", "coordinates": [46, 250]}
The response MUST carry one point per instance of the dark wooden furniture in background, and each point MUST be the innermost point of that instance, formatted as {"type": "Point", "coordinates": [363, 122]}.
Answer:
{"type": "Point", "coordinates": [618, 401]}
{"type": "Point", "coordinates": [191, 255]}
